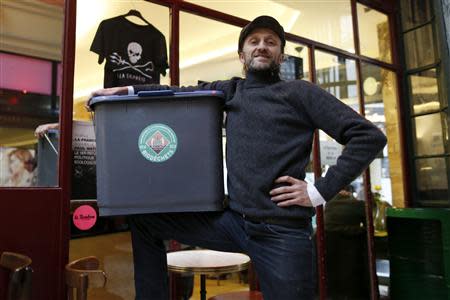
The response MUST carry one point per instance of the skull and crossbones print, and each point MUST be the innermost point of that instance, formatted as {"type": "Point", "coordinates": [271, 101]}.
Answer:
{"type": "Point", "coordinates": [134, 51]}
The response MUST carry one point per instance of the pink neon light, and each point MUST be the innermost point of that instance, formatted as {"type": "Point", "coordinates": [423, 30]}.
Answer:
{"type": "Point", "coordinates": [24, 73]}
{"type": "Point", "coordinates": [59, 80]}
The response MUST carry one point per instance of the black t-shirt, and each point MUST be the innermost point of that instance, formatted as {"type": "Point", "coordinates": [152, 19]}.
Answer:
{"type": "Point", "coordinates": [135, 54]}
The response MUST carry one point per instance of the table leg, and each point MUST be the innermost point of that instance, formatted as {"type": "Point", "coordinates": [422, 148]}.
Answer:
{"type": "Point", "coordinates": [202, 286]}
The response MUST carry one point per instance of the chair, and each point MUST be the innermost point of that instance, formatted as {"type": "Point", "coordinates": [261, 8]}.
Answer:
{"type": "Point", "coordinates": [245, 295]}
{"type": "Point", "coordinates": [19, 286]}
{"type": "Point", "coordinates": [80, 274]}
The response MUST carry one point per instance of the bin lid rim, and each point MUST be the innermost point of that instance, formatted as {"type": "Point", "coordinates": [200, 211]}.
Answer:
{"type": "Point", "coordinates": [164, 94]}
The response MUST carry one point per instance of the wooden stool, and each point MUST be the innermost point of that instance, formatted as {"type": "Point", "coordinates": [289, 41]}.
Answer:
{"type": "Point", "coordinates": [19, 286]}
{"type": "Point", "coordinates": [245, 295]}
{"type": "Point", "coordinates": [79, 275]}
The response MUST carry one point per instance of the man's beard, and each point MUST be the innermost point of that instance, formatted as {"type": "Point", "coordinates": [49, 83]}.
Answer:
{"type": "Point", "coordinates": [272, 68]}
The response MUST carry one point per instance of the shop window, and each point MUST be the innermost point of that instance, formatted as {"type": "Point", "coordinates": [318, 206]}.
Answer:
{"type": "Point", "coordinates": [425, 76]}
{"type": "Point", "coordinates": [26, 100]}
{"type": "Point", "coordinates": [328, 22]}
{"type": "Point", "coordinates": [416, 54]}
{"type": "Point", "coordinates": [415, 13]}
{"type": "Point", "coordinates": [337, 75]}
{"type": "Point", "coordinates": [432, 181]}
{"type": "Point", "coordinates": [296, 64]}
{"type": "Point", "coordinates": [429, 137]}
{"type": "Point", "coordinates": [424, 92]}
{"type": "Point", "coordinates": [380, 105]}
{"type": "Point", "coordinates": [211, 55]}
{"type": "Point", "coordinates": [374, 34]}
{"type": "Point", "coordinates": [89, 73]}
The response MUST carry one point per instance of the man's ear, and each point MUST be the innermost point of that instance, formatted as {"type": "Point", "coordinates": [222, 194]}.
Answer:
{"type": "Point", "coordinates": [242, 57]}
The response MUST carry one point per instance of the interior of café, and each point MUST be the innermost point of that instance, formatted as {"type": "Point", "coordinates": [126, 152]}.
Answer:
{"type": "Point", "coordinates": [365, 53]}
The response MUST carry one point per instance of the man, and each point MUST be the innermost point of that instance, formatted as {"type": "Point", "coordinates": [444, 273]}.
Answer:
{"type": "Point", "coordinates": [270, 126]}
{"type": "Point", "coordinates": [346, 247]}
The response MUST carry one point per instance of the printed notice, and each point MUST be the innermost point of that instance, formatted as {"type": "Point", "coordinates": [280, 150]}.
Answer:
{"type": "Point", "coordinates": [84, 165]}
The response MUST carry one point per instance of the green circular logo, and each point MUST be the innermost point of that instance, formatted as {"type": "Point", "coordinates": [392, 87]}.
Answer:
{"type": "Point", "coordinates": [157, 142]}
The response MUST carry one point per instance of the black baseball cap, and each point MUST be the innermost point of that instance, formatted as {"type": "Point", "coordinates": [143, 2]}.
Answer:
{"type": "Point", "coordinates": [262, 22]}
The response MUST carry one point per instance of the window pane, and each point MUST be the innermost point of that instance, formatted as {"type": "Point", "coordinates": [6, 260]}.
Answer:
{"type": "Point", "coordinates": [415, 12]}
{"type": "Point", "coordinates": [374, 34]}
{"type": "Point", "coordinates": [337, 75]}
{"type": "Point", "coordinates": [296, 64]}
{"type": "Point", "coordinates": [209, 59]}
{"type": "Point", "coordinates": [432, 180]}
{"type": "Point", "coordinates": [329, 22]}
{"type": "Point", "coordinates": [89, 73]}
{"type": "Point", "coordinates": [424, 92]}
{"type": "Point", "coordinates": [429, 138]}
{"type": "Point", "coordinates": [417, 54]}
{"type": "Point", "coordinates": [380, 102]}
{"type": "Point", "coordinates": [211, 55]}
{"type": "Point", "coordinates": [27, 100]}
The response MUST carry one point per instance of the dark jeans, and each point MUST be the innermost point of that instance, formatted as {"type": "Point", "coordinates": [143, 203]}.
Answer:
{"type": "Point", "coordinates": [283, 257]}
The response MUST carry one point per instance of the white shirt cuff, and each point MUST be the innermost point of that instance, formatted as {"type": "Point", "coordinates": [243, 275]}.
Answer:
{"type": "Point", "coordinates": [130, 90]}
{"type": "Point", "coordinates": [314, 195]}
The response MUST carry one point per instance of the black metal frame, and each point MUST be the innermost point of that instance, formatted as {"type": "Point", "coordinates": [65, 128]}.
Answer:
{"type": "Point", "coordinates": [443, 79]}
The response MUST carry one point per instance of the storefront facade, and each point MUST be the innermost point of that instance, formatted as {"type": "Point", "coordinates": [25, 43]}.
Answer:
{"type": "Point", "coordinates": [369, 54]}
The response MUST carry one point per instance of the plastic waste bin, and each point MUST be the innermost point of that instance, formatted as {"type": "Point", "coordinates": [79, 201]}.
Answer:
{"type": "Point", "coordinates": [47, 159]}
{"type": "Point", "coordinates": [159, 152]}
{"type": "Point", "coordinates": [83, 160]}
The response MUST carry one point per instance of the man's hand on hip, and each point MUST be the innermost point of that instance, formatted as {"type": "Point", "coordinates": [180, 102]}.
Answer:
{"type": "Point", "coordinates": [294, 193]}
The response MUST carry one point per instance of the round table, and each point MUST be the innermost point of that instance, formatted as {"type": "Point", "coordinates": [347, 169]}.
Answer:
{"type": "Point", "coordinates": [206, 262]}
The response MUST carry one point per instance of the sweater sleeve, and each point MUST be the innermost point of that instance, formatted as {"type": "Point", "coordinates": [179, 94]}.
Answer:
{"type": "Point", "coordinates": [361, 138]}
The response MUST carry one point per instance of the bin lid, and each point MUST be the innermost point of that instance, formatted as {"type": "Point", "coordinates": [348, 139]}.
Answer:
{"type": "Point", "coordinates": [162, 94]}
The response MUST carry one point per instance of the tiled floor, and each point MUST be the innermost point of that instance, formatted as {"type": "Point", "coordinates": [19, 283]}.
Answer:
{"type": "Point", "coordinates": [114, 253]}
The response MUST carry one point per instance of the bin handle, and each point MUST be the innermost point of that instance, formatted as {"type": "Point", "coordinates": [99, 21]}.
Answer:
{"type": "Point", "coordinates": [156, 93]}
{"type": "Point", "coordinates": [51, 144]}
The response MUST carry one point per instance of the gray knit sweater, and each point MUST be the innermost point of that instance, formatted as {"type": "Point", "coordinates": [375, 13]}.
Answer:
{"type": "Point", "coordinates": [270, 126]}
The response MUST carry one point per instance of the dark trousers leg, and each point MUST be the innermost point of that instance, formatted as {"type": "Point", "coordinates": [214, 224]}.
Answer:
{"type": "Point", "coordinates": [216, 231]}
{"type": "Point", "coordinates": [283, 257]}
{"type": "Point", "coordinates": [284, 261]}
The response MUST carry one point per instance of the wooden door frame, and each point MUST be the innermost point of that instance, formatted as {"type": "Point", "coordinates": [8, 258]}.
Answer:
{"type": "Point", "coordinates": [35, 221]}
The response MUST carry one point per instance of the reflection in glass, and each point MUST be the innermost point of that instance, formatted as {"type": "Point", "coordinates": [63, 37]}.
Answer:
{"type": "Point", "coordinates": [296, 63]}
{"type": "Point", "coordinates": [419, 47]}
{"type": "Point", "coordinates": [330, 150]}
{"type": "Point", "coordinates": [374, 34]}
{"type": "Point", "coordinates": [415, 12]}
{"type": "Point", "coordinates": [432, 179]}
{"type": "Point", "coordinates": [424, 92]}
{"type": "Point", "coordinates": [380, 105]}
{"type": "Point", "coordinates": [337, 75]}
{"type": "Point", "coordinates": [28, 80]}
{"type": "Point", "coordinates": [428, 139]}
{"type": "Point", "coordinates": [17, 167]}
{"type": "Point", "coordinates": [328, 22]}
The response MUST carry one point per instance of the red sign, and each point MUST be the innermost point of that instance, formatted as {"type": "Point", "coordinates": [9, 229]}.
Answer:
{"type": "Point", "coordinates": [84, 217]}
